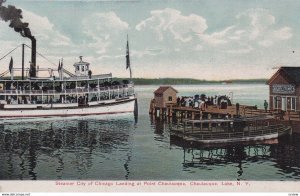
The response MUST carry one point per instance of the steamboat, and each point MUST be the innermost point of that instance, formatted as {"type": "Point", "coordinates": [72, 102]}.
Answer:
{"type": "Point", "coordinates": [62, 93]}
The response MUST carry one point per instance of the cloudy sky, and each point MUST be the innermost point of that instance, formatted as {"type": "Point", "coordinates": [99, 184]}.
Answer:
{"type": "Point", "coordinates": [201, 39]}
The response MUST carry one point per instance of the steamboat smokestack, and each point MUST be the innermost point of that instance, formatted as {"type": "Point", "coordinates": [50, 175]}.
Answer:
{"type": "Point", "coordinates": [13, 15]}
{"type": "Point", "coordinates": [33, 57]}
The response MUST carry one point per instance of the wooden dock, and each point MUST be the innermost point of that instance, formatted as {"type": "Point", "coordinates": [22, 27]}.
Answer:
{"type": "Point", "coordinates": [291, 118]}
{"type": "Point", "coordinates": [214, 110]}
{"type": "Point", "coordinates": [167, 105]}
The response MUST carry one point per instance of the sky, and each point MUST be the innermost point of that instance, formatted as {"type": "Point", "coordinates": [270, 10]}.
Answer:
{"type": "Point", "coordinates": [200, 39]}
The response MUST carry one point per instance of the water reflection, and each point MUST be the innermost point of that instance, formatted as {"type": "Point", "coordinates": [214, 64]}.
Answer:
{"type": "Point", "coordinates": [236, 155]}
{"type": "Point", "coordinates": [282, 153]}
{"type": "Point", "coordinates": [159, 126]}
{"type": "Point", "coordinates": [72, 149]}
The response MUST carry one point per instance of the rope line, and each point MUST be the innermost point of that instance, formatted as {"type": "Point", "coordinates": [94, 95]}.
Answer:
{"type": "Point", "coordinates": [9, 52]}
{"type": "Point", "coordinates": [43, 56]}
{"type": "Point", "coordinates": [69, 73]}
{"type": "Point", "coordinates": [4, 73]}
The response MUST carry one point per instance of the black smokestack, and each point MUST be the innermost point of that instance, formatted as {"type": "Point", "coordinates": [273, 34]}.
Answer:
{"type": "Point", "coordinates": [13, 15]}
{"type": "Point", "coordinates": [33, 58]}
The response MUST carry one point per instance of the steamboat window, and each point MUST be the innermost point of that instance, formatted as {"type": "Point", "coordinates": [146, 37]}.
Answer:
{"type": "Point", "coordinates": [77, 67]}
{"type": "Point", "coordinates": [82, 68]}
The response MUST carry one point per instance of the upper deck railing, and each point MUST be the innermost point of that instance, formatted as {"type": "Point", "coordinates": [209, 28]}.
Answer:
{"type": "Point", "coordinates": [77, 90]}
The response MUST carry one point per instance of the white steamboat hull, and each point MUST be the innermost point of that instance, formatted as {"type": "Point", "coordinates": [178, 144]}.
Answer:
{"type": "Point", "coordinates": [104, 108]}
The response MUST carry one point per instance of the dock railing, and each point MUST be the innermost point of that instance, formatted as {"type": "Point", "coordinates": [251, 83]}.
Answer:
{"type": "Point", "coordinates": [201, 130]}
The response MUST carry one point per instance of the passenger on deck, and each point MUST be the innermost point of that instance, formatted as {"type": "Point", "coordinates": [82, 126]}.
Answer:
{"type": "Point", "coordinates": [51, 101]}
{"type": "Point", "coordinates": [94, 98]}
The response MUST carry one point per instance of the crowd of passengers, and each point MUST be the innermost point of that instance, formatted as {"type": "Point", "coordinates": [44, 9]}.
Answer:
{"type": "Point", "coordinates": [68, 99]}
{"type": "Point", "coordinates": [57, 87]}
{"type": "Point", "coordinates": [222, 101]}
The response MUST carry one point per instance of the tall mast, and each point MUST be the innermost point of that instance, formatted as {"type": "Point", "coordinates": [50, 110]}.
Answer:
{"type": "Point", "coordinates": [23, 53]}
{"type": "Point", "coordinates": [128, 58]}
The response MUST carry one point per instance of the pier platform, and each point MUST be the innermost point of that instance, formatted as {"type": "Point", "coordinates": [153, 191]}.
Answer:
{"type": "Point", "coordinates": [167, 105]}
{"type": "Point", "coordinates": [291, 118]}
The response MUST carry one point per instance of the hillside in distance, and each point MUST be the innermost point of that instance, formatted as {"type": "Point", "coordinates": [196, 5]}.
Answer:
{"type": "Point", "coordinates": [190, 81]}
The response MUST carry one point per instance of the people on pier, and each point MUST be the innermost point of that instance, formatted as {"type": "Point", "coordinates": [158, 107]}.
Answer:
{"type": "Point", "coordinates": [202, 105]}
{"type": "Point", "coordinates": [186, 102]}
{"type": "Point", "coordinates": [227, 116]}
{"type": "Point", "coordinates": [266, 105]}
{"type": "Point", "coordinates": [196, 104]}
{"type": "Point", "coordinates": [182, 101]}
{"type": "Point", "coordinates": [178, 101]}
{"type": "Point", "coordinates": [237, 108]}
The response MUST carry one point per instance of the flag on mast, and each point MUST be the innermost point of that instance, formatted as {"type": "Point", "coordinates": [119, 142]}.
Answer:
{"type": "Point", "coordinates": [128, 58]}
{"type": "Point", "coordinates": [11, 64]}
{"type": "Point", "coordinates": [127, 55]}
{"type": "Point", "coordinates": [59, 66]}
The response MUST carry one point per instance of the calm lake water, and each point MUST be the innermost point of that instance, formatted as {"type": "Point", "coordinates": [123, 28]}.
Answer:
{"type": "Point", "coordinates": [122, 147]}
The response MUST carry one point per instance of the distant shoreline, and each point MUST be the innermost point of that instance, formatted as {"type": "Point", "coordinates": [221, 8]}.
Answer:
{"type": "Point", "coordinates": [190, 81]}
{"type": "Point", "coordinates": [183, 81]}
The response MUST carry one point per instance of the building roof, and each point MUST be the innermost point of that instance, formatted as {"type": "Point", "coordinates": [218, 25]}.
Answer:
{"type": "Point", "coordinates": [292, 74]}
{"type": "Point", "coordinates": [162, 89]}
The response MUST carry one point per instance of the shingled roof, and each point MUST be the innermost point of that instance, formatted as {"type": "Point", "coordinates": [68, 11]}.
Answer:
{"type": "Point", "coordinates": [290, 73]}
{"type": "Point", "coordinates": [162, 89]}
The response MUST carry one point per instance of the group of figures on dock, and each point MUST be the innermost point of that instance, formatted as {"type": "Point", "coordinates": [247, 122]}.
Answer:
{"type": "Point", "coordinates": [202, 101]}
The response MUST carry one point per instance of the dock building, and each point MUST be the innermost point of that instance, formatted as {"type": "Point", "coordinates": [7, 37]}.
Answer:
{"type": "Point", "coordinates": [284, 89]}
